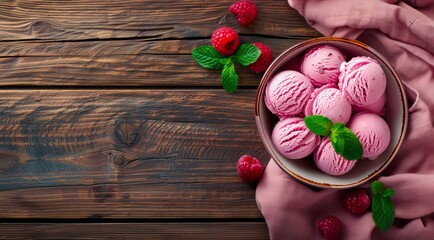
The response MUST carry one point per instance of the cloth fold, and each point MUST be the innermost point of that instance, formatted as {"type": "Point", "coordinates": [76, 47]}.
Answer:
{"type": "Point", "coordinates": [402, 31]}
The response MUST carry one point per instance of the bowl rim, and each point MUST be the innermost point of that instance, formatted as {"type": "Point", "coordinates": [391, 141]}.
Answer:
{"type": "Point", "coordinates": [319, 40]}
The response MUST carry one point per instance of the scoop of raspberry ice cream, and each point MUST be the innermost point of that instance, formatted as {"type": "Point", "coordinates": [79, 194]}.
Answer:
{"type": "Point", "coordinates": [362, 80]}
{"type": "Point", "coordinates": [328, 161]}
{"type": "Point", "coordinates": [329, 102]}
{"type": "Point", "coordinates": [321, 64]}
{"type": "Point", "coordinates": [378, 107]}
{"type": "Point", "coordinates": [372, 132]}
{"type": "Point", "coordinates": [293, 139]}
{"type": "Point", "coordinates": [287, 92]}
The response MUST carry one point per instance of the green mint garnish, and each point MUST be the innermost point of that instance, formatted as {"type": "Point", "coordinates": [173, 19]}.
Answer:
{"type": "Point", "coordinates": [247, 54]}
{"type": "Point", "coordinates": [229, 78]}
{"type": "Point", "coordinates": [383, 212]}
{"type": "Point", "coordinates": [209, 58]}
{"type": "Point", "coordinates": [318, 124]}
{"type": "Point", "coordinates": [388, 192]}
{"type": "Point", "coordinates": [377, 187]}
{"type": "Point", "coordinates": [337, 141]}
{"type": "Point", "coordinates": [226, 61]}
{"type": "Point", "coordinates": [350, 148]}
{"type": "Point", "coordinates": [338, 128]}
{"type": "Point", "coordinates": [344, 141]}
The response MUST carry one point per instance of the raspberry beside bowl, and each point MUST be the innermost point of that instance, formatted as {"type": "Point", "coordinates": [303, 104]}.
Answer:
{"type": "Point", "coordinates": [305, 170]}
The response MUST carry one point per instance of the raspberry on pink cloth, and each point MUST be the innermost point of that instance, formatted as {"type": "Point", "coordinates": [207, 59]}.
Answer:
{"type": "Point", "coordinates": [402, 31]}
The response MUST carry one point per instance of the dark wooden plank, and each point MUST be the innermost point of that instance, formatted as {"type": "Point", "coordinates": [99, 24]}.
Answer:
{"type": "Point", "coordinates": [88, 231]}
{"type": "Point", "coordinates": [116, 63]}
{"type": "Point", "coordinates": [102, 19]}
{"type": "Point", "coordinates": [126, 153]}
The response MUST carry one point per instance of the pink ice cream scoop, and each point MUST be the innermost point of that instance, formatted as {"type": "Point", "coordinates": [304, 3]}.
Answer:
{"type": "Point", "coordinates": [377, 107]}
{"type": "Point", "coordinates": [328, 161]}
{"type": "Point", "coordinates": [372, 132]}
{"type": "Point", "coordinates": [362, 80]}
{"type": "Point", "coordinates": [329, 102]}
{"type": "Point", "coordinates": [287, 93]}
{"type": "Point", "coordinates": [321, 64]}
{"type": "Point", "coordinates": [309, 104]}
{"type": "Point", "coordinates": [293, 139]}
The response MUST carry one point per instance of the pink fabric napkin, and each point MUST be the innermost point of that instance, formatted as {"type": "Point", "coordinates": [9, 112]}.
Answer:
{"type": "Point", "coordinates": [403, 31]}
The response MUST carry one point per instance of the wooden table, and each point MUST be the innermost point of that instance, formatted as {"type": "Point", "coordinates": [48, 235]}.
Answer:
{"type": "Point", "coordinates": [109, 129]}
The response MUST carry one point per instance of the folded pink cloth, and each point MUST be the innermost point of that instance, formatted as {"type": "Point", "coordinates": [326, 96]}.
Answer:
{"type": "Point", "coordinates": [403, 31]}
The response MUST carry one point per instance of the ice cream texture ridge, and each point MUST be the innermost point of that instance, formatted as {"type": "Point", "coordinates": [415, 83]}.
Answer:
{"type": "Point", "coordinates": [345, 90]}
{"type": "Point", "coordinates": [292, 138]}
{"type": "Point", "coordinates": [328, 161]}
{"type": "Point", "coordinates": [287, 93]}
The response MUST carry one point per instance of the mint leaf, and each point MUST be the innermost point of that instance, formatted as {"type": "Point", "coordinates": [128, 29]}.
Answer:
{"type": "Point", "coordinates": [338, 143]}
{"type": "Point", "coordinates": [383, 212]}
{"type": "Point", "coordinates": [338, 127]}
{"type": "Point", "coordinates": [208, 57]}
{"type": "Point", "coordinates": [225, 61]}
{"type": "Point", "coordinates": [377, 187]}
{"type": "Point", "coordinates": [388, 192]}
{"type": "Point", "coordinates": [345, 142]}
{"type": "Point", "coordinates": [229, 78]}
{"type": "Point", "coordinates": [247, 54]}
{"type": "Point", "coordinates": [318, 124]}
{"type": "Point", "coordinates": [353, 149]}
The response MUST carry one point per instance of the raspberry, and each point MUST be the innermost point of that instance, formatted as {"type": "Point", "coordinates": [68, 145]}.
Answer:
{"type": "Point", "coordinates": [330, 227]}
{"type": "Point", "coordinates": [357, 201]}
{"type": "Point", "coordinates": [245, 11]}
{"type": "Point", "coordinates": [249, 168]}
{"type": "Point", "coordinates": [225, 40]}
{"type": "Point", "coordinates": [264, 59]}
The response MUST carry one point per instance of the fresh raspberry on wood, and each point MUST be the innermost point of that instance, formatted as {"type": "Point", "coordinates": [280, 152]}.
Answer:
{"type": "Point", "coordinates": [264, 59]}
{"type": "Point", "coordinates": [225, 40]}
{"type": "Point", "coordinates": [249, 168]}
{"type": "Point", "coordinates": [245, 11]}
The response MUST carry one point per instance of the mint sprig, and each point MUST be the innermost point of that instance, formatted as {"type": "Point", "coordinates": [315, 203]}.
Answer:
{"type": "Point", "coordinates": [229, 78]}
{"type": "Point", "coordinates": [350, 148]}
{"type": "Point", "coordinates": [209, 58]}
{"type": "Point", "coordinates": [344, 141]}
{"type": "Point", "coordinates": [383, 212]}
{"type": "Point", "coordinates": [247, 54]}
{"type": "Point", "coordinates": [337, 141]}
{"type": "Point", "coordinates": [319, 125]}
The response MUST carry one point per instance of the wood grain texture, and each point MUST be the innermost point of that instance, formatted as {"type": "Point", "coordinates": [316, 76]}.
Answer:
{"type": "Point", "coordinates": [83, 20]}
{"type": "Point", "coordinates": [126, 153]}
{"type": "Point", "coordinates": [116, 63]}
{"type": "Point", "coordinates": [89, 231]}
{"type": "Point", "coordinates": [146, 151]}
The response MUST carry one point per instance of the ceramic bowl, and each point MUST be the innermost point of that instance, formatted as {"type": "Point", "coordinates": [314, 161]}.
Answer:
{"type": "Point", "coordinates": [305, 169]}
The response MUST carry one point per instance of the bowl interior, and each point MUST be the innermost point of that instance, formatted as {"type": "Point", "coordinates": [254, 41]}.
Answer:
{"type": "Point", "coordinates": [305, 170]}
